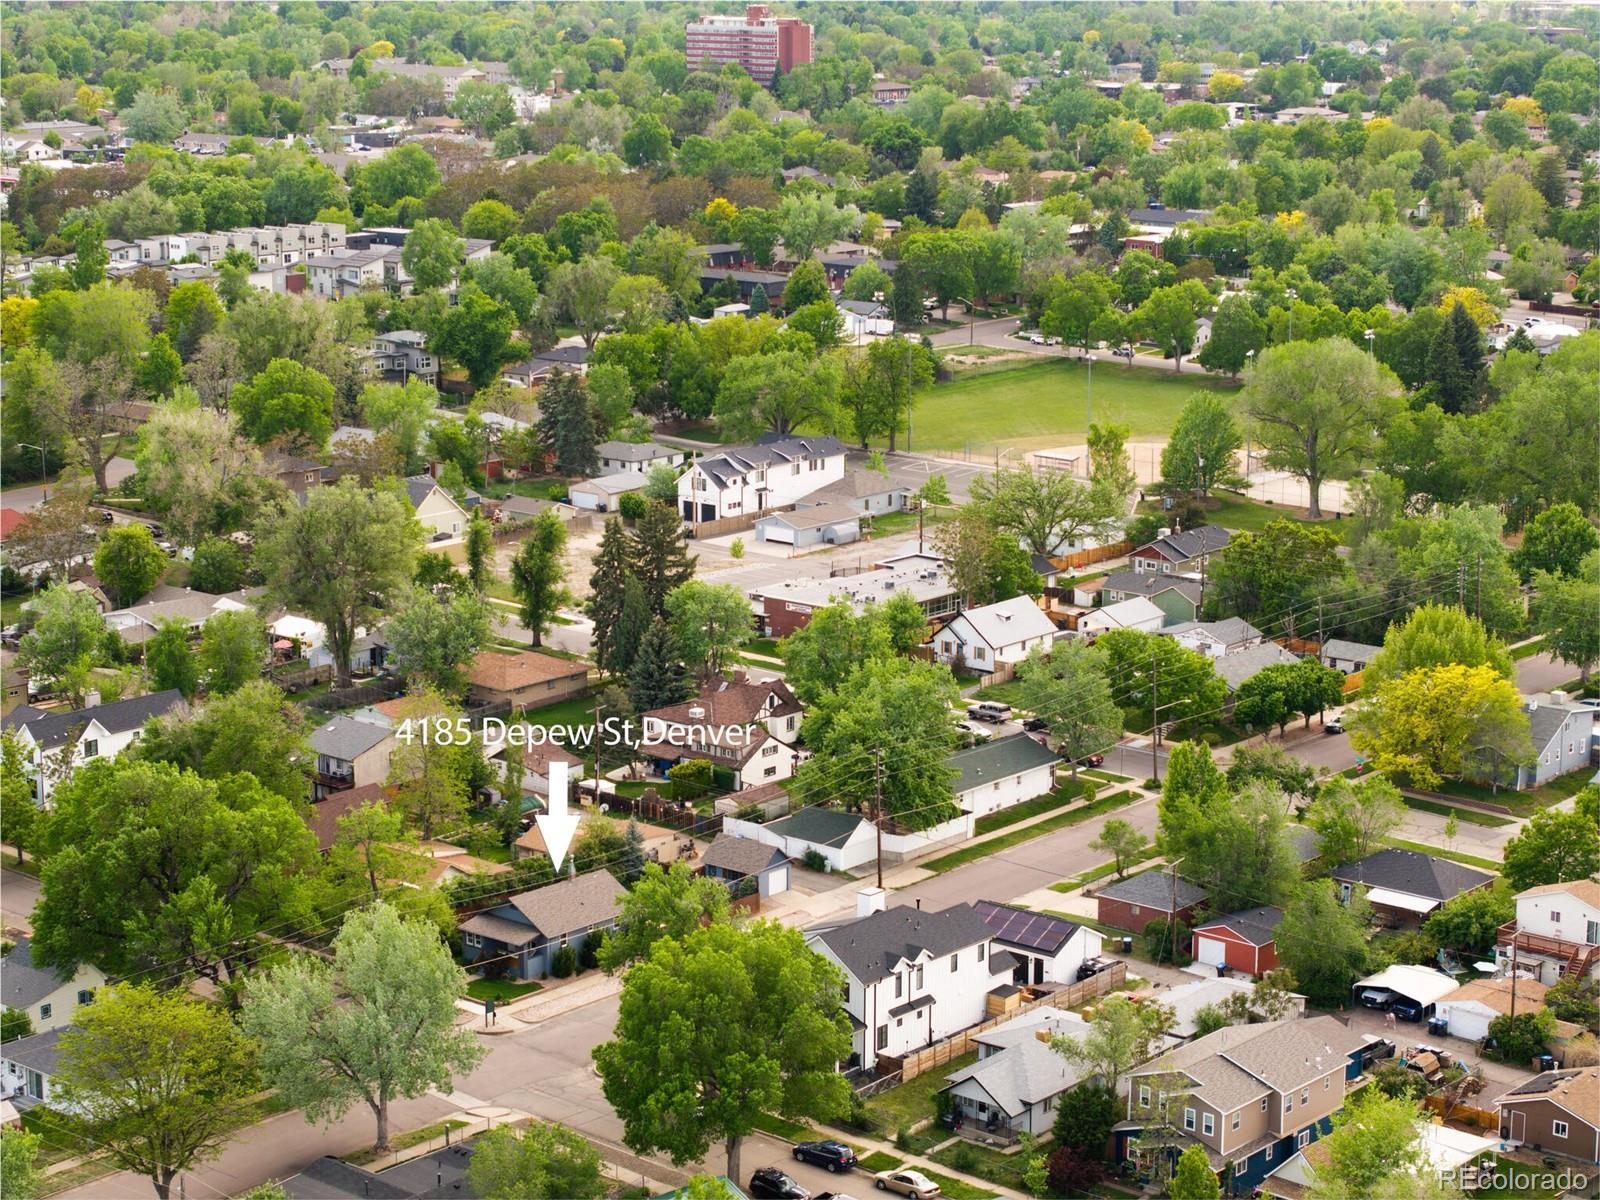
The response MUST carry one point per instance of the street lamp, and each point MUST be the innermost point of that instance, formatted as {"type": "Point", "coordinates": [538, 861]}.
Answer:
{"type": "Point", "coordinates": [44, 485]}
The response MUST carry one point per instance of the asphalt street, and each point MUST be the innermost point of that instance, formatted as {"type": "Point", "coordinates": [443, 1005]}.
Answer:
{"type": "Point", "coordinates": [19, 894]}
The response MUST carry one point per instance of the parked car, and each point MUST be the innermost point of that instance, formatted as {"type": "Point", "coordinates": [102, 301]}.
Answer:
{"type": "Point", "coordinates": [1124, 352]}
{"type": "Point", "coordinates": [1091, 967]}
{"type": "Point", "coordinates": [1035, 725]}
{"type": "Point", "coordinates": [1335, 725]}
{"type": "Point", "coordinates": [1092, 760]}
{"type": "Point", "coordinates": [975, 731]}
{"type": "Point", "coordinates": [908, 1183]}
{"type": "Point", "coordinates": [833, 1156]}
{"type": "Point", "coordinates": [1406, 1009]}
{"type": "Point", "coordinates": [769, 1183]}
{"type": "Point", "coordinates": [989, 710]}
{"type": "Point", "coordinates": [1379, 998]}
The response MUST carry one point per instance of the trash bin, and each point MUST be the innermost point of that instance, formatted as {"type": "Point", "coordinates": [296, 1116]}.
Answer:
{"type": "Point", "coordinates": [1438, 1025]}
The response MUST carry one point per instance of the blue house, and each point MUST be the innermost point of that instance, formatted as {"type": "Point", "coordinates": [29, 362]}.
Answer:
{"type": "Point", "coordinates": [1248, 1095]}
{"type": "Point", "coordinates": [527, 930]}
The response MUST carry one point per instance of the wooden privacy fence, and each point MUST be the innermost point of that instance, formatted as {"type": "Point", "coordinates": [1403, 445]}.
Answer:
{"type": "Point", "coordinates": [1464, 1114]}
{"type": "Point", "coordinates": [1069, 996]}
{"type": "Point", "coordinates": [722, 525]}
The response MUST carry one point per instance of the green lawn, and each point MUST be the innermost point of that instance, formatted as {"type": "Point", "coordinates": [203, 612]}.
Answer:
{"type": "Point", "coordinates": [1469, 815]}
{"type": "Point", "coordinates": [1042, 404]}
{"type": "Point", "coordinates": [1471, 860]}
{"type": "Point", "coordinates": [1232, 510]}
{"type": "Point", "coordinates": [879, 1161]}
{"type": "Point", "coordinates": [574, 712]}
{"type": "Point", "coordinates": [1528, 649]}
{"type": "Point", "coordinates": [1524, 804]}
{"type": "Point", "coordinates": [1520, 1181]}
{"type": "Point", "coordinates": [1009, 692]}
{"type": "Point", "coordinates": [912, 1101]}
{"type": "Point", "coordinates": [986, 1163]}
{"type": "Point", "coordinates": [500, 990]}
{"type": "Point", "coordinates": [1049, 802]}
{"type": "Point", "coordinates": [1005, 841]}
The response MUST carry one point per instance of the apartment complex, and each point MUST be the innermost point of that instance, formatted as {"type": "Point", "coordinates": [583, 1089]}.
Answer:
{"type": "Point", "coordinates": [762, 44]}
{"type": "Point", "coordinates": [269, 245]}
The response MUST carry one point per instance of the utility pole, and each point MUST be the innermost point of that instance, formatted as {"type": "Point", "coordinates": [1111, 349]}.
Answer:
{"type": "Point", "coordinates": [595, 746]}
{"type": "Point", "coordinates": [1461, 585]}
{"type": "Point", "coordinates": [877, 806]}
{"type": "Point", "coordinates": [1155, 722]}
{"type": "Point", "coordinates": [1480, 585]}
{"type": "Point", "coordinates": [1319, 625]}
{"type": "Point", "coordinates": [1172, 916]}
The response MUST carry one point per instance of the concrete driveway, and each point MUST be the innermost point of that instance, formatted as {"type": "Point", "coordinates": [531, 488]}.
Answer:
{"type": "Point", "coordinates": [19, 893]}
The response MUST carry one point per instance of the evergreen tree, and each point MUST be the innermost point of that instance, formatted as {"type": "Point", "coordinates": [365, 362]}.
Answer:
{"type": "Point", "coordinates": [631, 625]}
{"type": "Point", "coordinates": [566, 424]}
{"type": "Point", "coordinates": [1469, 345]}
{"type": "Point", "coordinates": [509, 818]}
{"type": "Point", "coordinates": [657, 677]}
{"type": "Point", "coordinates": [632, 862]}
{"type": "Point", "coordinates": [758, 301]}
{"type": "Point", "coordinates": [480, 551]}
{"type": "Point", "coordinates": [922, 195]}
{"type": "Point", "coordinates": [659, 555]}
{"type": "Point", "coordinates": [1450, 384]}
{"type": "Point", "coordinates": [606, 584]}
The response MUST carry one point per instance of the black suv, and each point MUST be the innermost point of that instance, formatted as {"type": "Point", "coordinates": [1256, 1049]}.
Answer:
{"type": "Point", "coordinates": [835, 1156]}
{"type": "Point", "coordinates": [769, 1183]}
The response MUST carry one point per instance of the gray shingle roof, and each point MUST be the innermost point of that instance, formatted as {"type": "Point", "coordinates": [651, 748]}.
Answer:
{"type": "Point", "coordinates": [871, 946]}
{"type": "Point", "coordinates": [1257, 925]}
{"type": "Point", "coordinates": [56, 728]}
{"type": "Point", "coordinates": [1546, 720]}
{"type": "Point", "coordinates": [1228, 631]}
{"type": "Point", "coordinates": [572, 904]}
{"type": "Point", "coordinates": [1019, 1075]}
{"type": "Point", "coordinates": [816, 517]}
{"type": "Point", "coordinates": [1246, 664]}
{"type": "Point", "coordinates": [1290, 1054]}
{"type": "Point", "coordinates": [39, 1052]}
{"type": "Point", "coordinates": [23, 982]}
{"type": "Point", "coordinates": [635, 451]}
{"type": "Point", "coordinates": [1181, 547]}
{"type": "Point", "coordinates": [346, 738]}
{"type": "Point", "coordinates": [1153, 889]}
{"type": "Point", "coordinates": [500, 929]}
{"type": "Point", "coordinates": [1001, 758]}
{"type": "Point", "coordinates": [1151, 583]}
{"type": "Point", "coordinates": [741, 855]}
{"type": "Point", "coordinates": [1413, 873]}
{"type": "Point", "coordinates": [1008, 622]}
{"type": "Point", "coordinates": [819, 826]}
{"type": "Point", "coordinates": [1355, 651]}
{"type": "Point", "coordinates": [741, 460]}
{"type": "Point", "coordinates": [419, 487]}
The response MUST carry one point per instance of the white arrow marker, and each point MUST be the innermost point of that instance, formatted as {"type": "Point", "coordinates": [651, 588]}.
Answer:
{"type": "Point", "coordinates": [557, 825]}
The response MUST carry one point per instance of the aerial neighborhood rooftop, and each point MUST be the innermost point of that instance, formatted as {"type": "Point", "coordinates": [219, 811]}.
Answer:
{"type": "Point", "coordinates": [769, 600]}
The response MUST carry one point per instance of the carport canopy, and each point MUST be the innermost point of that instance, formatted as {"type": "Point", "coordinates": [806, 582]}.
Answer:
{"type": "Point", "coordinates": [1392, 899]}
{"type": "Point", "coordinates": [1423, 985]}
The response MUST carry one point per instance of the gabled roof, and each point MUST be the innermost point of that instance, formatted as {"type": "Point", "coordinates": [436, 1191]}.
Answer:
{"type": "Point", "coordinates": [1151, 583]}
{"type": "Point", "coordinates": [1228, 631]}
{"type": "Point", "coordinates": [741, 460]}
{"type": "Point", "coordinates": [1008, 622]}
{"type": "Point", "coordinates": [1239, 666]}
{"type": "Point", "coordinates": [1001, 758]}
{"type": "Point", "coordinates": [50, 729]}
{"type": "Point", "coordinates": [1181, 547]}
{"type": "Point", "coordinates": [730, 702]}
{"type": "Point", "coordinates": [870, 947]}
{"type": "Point", "coordinates": [857, 484]}
{"type": "Point", "coordinates": [325, 813]}
{"type": "Point", "coordinates": [817, 516]}
{"type": "Point", "coordinates": [346, 738]}
{"type": "Point", "coordinates": [1136, 610]}
{"type": "Point", "coordinates": [636, 451]}
{"type": "Point", "coordinates": [572, 904]}
{"type": "Point", "coordinates": [24, 982]}
{"type": "Point", "coordinates": [420, 487]}
{"type": "Point", "coordinates": [741, 855]}
{"type": "Point", "coordinates": [39, 1052]}
{"type": "Point", "coordinates": [1546, 721]}
{"type": "Point", "coordinates": [1413, 873]}
{"type": "Point", "coordinates": [1258, 926]}
{"type": "Point", "coordinates": [1154, 890]}
{"type": "Point", "coordinates": [1020, 1075]}
{"type": "Point", "coordinates": [1586, 890]}
{"type": "Point", "coordinates": [1574, 1091]}
{"type": "Point", "coordinates": [1355, 651]}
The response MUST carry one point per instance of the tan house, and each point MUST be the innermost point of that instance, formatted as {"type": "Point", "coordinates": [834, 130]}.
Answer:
{"type": "Point", "coordinates": [661, 845]}
{"type": "Point", "coordinates": [51, 998]}
{"type": "Point", "coordinates": [446, 862]}
{"type": "Point", "coordinates": [437, 509]}
{"type": "Point", "coordinates": [1557, 1112]}
{"type": "Point", "coordinates": [350, 754]}
{"type": "Point", "coordinates": [525, 679]}
{"type": "Point", "coordinates": [1249, 1095]}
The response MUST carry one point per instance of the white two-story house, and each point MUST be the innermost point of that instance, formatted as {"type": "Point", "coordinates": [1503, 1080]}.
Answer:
{"type": "Point", "coordinates": [54, 743]}
{"type": "Point", "coordinates": [1556, 933]}
{"type": "Point", "coordinates": [912, 978]}
{"type": "Point", "coordinates": [745, 480]}
{"type": "Point", "coordinates": [980, 639]}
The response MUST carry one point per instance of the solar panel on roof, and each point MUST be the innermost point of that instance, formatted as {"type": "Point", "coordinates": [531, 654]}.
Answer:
{"type": "Point", "coordinates": [1033, 931]}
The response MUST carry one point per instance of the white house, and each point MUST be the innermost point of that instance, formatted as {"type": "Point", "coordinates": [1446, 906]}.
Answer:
{"type": "Point", "coordinates": [605, 493]}
{"type": "Point", "coordinates": [1561, 732]}
{"type": "Point", "coordinates": [436, 508]}
{"type": "Point", "coordinates": [642, 457]}
{"type": "Point", "coordinates": [67, 739]}
{"type": "Point", "coordinates": [847, 841]}
{"type": "Point", "coordinates": [27, 1069]}
{"type": "Point", "coordinates": [1047, 949]}
{"type": "Point", "coordinates": [982, 638]}
{"type": "Point", "coordinates": [1000, 773]}
{"type": "Point", "coordinates": [1016, 1082]}
{"type": "Point", "coordinates": [912, 977]}
{"type": "Point", "coordinates": [864, 319]}
{"type": "Point", "coordinates": [1347, 656]}
{"type": "Point", "coordinates": [1215, 638]}
{"type": "Point", "coordinates": [1137, 613]}
{"type": "Point", "coordinates": [1557, 931]}
{"type": "Point", "coordinates": [51, 998]}
{"type": "Point", "coordinates": [743, 728]}
{"type": "Point", "coordinates": [744, 480]}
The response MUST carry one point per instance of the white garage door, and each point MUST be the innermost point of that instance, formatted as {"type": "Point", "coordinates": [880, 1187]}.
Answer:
{"type": "Point", "coordinates": [1210, 951]}
{"type": "Point", "coordinates": [773, 531]}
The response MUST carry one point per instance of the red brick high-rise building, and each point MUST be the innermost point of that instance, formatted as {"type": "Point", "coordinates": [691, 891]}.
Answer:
{"type": "Point", "coordinates": [764, 45]}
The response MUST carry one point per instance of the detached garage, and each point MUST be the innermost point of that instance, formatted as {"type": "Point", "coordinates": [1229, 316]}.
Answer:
{"type": "Point", "coordinates": [1243, 942]}
{"type": "Point", "coordinates": [1424, 986]}
{"type": "Point", "coordinates": [605, 493]}
{"type": "Point", "coordinates": [1471, 1007]}
{"type": "Point", "coordinates": [831, 524]}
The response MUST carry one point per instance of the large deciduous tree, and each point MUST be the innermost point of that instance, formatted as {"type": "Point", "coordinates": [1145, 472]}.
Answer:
{"type": "Point", "coordinates": [818, 656]}
{"type": "Point", "coordinates": [1436, 635]}
{"type": "Point", "coordinates": [720, 1027]}
{"type": "Point", "coordinates": [542, 1162]}
{"type": "Point", "coordinates": [475, 333]}
{"type": "Point", "coordinates": [1554, 847]}
{"type": "Point", "coordinates": [778, 393]}
{"type": "Point", "coordinates": [1199, 455]}
{"type": "Point", "coordinates": [155, 1079]}
{"type": "Point", "coordinates": [129, 563]}
{"type": "Point", "coordinates": [710, 622]}
{"type": "Point", "coordinates": [1351, 819]}
{"type": "Point", "coordinates": [433, 253]}
{"type": "Point", "coordinates": [1317, 409]}
{"type": "Point", "coordinates": [1068, 689]}
{"type": "Point", "coordinates": [664, 903]}
{"type": "Point", "coordinates": [341, 558]}
{"type": "Point", "coordinates": [1121, 1036]}
{"type": "Point", "coordinates": [152, 866]}
{"type": "Point", "coordinates": [374, 1025]}
{"type": "Point", "coordinates": [1324, 941]}
{"type": "Point", "coordinates": [1047, 510]}
{"type": "Point", "coordinates": [433, 637]}
{"type": "Point", "coordinates": [538, 575]}
{"type": "Point", "coordinates": [1274, 576]}
{"type": "Point", "coordinates": [287, 401]}
{"type": "Point", "coordinates": [1435, 722]}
